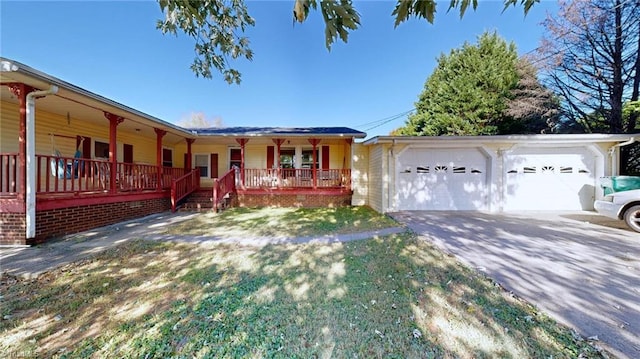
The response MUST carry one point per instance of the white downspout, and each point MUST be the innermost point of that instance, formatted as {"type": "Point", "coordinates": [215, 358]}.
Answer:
{"type": "Point", "coordinates": [31, 158]}
{"type": "Point", "coordinates": [612, 153]}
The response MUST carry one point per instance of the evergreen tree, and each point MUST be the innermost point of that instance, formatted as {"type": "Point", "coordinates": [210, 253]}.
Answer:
{"type": "Point", "coordinates": [468, 92]}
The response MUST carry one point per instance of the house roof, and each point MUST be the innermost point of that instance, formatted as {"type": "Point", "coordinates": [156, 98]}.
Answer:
{"type": "Point", "coordinates": [279, 131]}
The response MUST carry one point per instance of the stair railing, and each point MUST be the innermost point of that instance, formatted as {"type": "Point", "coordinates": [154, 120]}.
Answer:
{"type": "Point", "coordinates": [184, 186]}
{"type": "Point", "coordinates": [222, 187]}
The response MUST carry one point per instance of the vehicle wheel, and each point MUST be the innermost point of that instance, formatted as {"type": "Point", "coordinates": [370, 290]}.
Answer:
{"type": "Point", "coordinates": [632, 217]}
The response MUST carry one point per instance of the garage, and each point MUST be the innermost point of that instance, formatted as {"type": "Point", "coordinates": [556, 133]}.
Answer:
{"type": "Point", "coordinates": [545, 172]}
{"type": "Point", "coordinates": [441, 179]}
{"type": "Point", "coordinates": [549, 179]}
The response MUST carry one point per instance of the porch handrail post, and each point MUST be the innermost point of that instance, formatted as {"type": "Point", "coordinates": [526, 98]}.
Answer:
{"type": "Point", "coordinates": [173, 195]}
{"type": "Point", "coordinates": [314, 171]}
{"type": "Point", "coordinates": [188, 164]}
{"type": "Point", "coordinates": [242, 142]}
{"type": "Point", "coordinates": [114, 121]}
{"type": "Point", "coordinates": [159, 134]}
{"type": "Point", "coordinates": [215, 194]}
{"type": "Point", "coordinates": [278, 142]}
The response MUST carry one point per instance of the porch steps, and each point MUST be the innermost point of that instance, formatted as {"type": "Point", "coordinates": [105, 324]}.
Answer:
{"type": "Point", "coordinates": [200, 201]}
{"type": "Point", "coordinates": [197, 201]}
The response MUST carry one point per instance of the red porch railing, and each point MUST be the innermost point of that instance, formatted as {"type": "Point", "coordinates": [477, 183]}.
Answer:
{"type": "Point", "coordinates": [222, 187]}
{"type": "Point", "coordinates": [9, 174]}
{"type": "Point", "coordinates": [68, 175]}
{"type": "Point", "coordinates": [183, 186]}
{"type": "Point", "coordinates": [297, 178]}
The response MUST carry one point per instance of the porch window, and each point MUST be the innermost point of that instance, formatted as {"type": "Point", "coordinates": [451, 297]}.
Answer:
{"type": "Point", "coordinates": [201, 162]}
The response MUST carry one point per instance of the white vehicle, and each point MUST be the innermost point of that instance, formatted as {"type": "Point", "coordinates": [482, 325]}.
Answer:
{"type": "Point", "coordinates": [621, 205]}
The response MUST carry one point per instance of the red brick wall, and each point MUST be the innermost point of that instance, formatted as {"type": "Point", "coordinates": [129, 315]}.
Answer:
{"type": "Point", "coordinates": [58, 222]}
{"type": "Point", "coordinates": [12, 228]}
{"type": "Point", "coordinates": [292, 200]}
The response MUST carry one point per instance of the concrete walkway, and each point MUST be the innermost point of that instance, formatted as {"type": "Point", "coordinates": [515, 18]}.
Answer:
{"type": "Point", "coordinates": [581, 268]}
{"type": "Point", "coordinates": [30, 262]}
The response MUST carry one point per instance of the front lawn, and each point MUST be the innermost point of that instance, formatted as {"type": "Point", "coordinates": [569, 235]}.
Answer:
{"type": "Point", "coordinates": [288, 222]}
{"type": "Point", "coordinates": [390, 297]}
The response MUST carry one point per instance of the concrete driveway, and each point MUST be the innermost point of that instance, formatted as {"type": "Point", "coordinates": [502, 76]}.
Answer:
{"type": "Point", "coordinates": [580, 268]}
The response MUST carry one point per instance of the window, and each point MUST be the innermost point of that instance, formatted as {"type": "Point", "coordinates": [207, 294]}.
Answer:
{"type": "Point", "coordinates": [235, 157]}
{"type": "Point", "coordinates": [167, 157]}
{"type": "Point", "coordinates": [422, 169]}
{"type": "Point", "coordinates": [287, 158]}
{"type": "Point", "coordinates": [101, 149]}
{"type": "Point", "coordinates": [201, 162]}
{"type": "Point", "coordinates": [307, 158]}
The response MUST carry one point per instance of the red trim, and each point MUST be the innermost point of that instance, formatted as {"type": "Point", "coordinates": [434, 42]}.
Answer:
{"type": "Point", "coordinates": [54, 202]}
{"type": "Point", "coordinates": [242, 142]}
{"type": "Point", "coordinates": [188, 165]}
{"type": "Point", "coordinates": [270, 156]}
{"type": "Point", "coordinates": [159, 134]}
{"type": "Point", "coordinates": [325, 157]}
{"type": "Point", "coordinates": [278, 141]}
{"type": "Point", "coordinates": [213, 162]}
{"type": "Point", "coordinates": [314, 142]}
{"type": "Point", "coordinates": [114, 121]}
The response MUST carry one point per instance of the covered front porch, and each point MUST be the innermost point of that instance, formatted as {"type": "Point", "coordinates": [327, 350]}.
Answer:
{"type": "Point", "coordinates": [72, 160]}
{"type": "Point", "coordinates": [266, 166]}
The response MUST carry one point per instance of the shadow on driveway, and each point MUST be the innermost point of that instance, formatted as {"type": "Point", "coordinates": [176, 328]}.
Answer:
{"type": "Point", "coordinates": [585, 275]}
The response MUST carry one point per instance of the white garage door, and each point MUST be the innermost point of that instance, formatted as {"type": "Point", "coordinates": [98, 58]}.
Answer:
{"type": "Point", "coordinates": [549, 179]}
{"type": "Point", "coordinates": [441, 179]}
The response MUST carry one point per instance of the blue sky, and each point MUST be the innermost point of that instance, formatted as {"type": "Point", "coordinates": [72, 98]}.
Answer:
{"type": "Point", "coordinates": [112, 48]}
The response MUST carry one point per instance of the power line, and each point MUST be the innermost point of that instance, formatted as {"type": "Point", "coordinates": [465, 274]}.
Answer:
{"type": "Point", "coordinates": [378, 123]}
{"type": "Point", "coordinates": [384, 120]}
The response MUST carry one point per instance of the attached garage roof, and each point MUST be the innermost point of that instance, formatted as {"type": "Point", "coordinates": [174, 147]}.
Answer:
{"type": "Point", "coordinates": [533, 139]}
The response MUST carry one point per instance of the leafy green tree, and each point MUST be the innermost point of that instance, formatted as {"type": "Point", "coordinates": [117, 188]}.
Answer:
{"type": "Point", "coordinates": [217, 26]}
{"type": "Point", "coordinates": [467, 92]}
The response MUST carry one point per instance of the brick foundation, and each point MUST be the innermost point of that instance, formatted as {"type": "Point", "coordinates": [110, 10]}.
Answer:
{"type": "Point", "coordinates": [63, 221]}
{"type": "Point", "coordinates": [12, 228]}
{"type": "Point", "coordinates": [293, 200]}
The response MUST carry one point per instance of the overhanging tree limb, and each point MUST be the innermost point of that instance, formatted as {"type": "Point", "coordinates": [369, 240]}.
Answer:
{"type": "Point", "coordinates": [215, 25]}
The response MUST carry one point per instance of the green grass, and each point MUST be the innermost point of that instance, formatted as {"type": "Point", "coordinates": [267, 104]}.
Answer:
{"type": "Point", "coordinates": [289, 222]}
{"type": "Point", "coordinates": [390, 297]}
